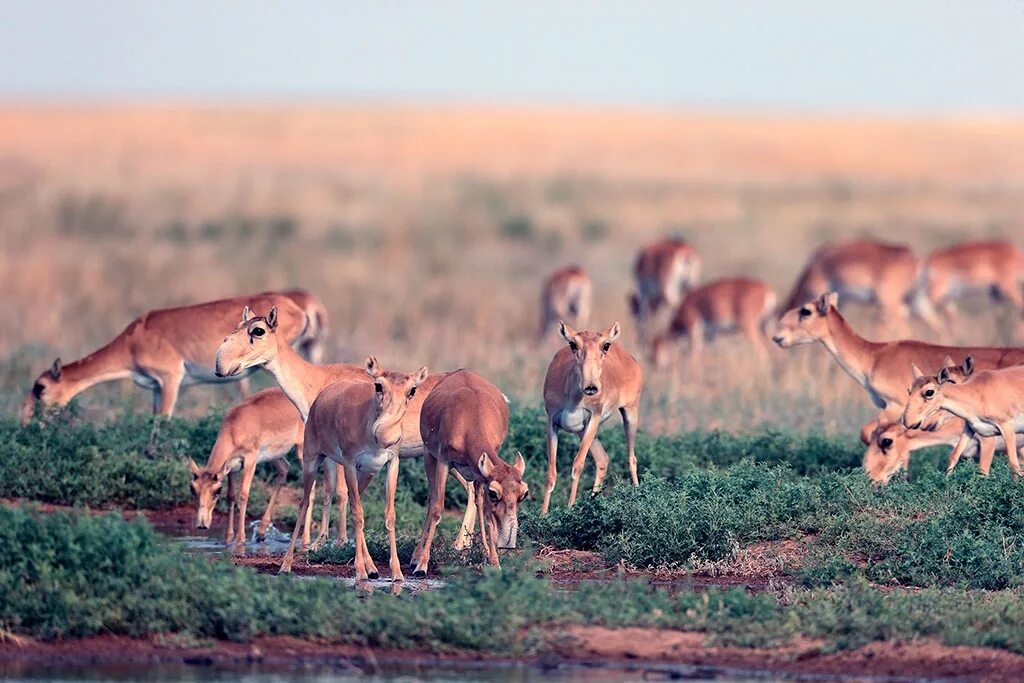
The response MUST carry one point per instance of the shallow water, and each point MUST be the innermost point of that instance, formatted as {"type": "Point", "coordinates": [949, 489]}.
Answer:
{"type": "Point", "coordinates": [346, 673]}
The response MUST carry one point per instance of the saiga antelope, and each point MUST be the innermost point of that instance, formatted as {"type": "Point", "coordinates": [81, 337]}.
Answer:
{"type": "Point", "coordinates": [881, 273]}
{"type": "Point", "coordinates": [463, 424]}
{"type": "Point", "coordinates": [882, 368]}
{"type": "Point", "coordinates": [991, 402]}
{"type": "Point", "coordinates": [664, 271]}
{"type": "Point", "coordinates": [359, 426]}
{"type": "Point", "coordinates": [256, 342]}
{"type": "Point", "coordinates": [566, 295]}
{"type": "Point", "coordinates": [162, 351]}
{"type": "Point", "coordinates": [729, 305]}
{"type": "Point", "coordinates": [262, 428]}
{"type": "Point", "coordinates": [889, 444]}
{"type": "Point", "coordinates": [588, 380]}
{"type": "Point", "coordinates": [995, 267]}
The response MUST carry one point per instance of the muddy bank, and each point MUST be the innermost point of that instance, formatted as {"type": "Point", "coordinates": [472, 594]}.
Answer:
{"type": "Point", "coordinates": [653, 653]}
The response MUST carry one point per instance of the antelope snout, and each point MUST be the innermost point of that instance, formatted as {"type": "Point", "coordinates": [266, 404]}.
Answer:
{"type": "Point", "coordinates": [591, 390]}
{"type": "Point", "coordinates": [779, 340]}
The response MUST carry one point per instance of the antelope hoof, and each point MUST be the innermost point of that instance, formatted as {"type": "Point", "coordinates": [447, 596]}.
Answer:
{"type": "Point", "coordinates": [373, 575]}
{"type": "Point", "coordinates": [286, 568]}
{"type": "Point", "coordinates": [420, 574]}
{"type": "Point", "coordinates": [317, 543]}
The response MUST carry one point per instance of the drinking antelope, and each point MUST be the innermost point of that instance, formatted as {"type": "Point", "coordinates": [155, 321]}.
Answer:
{"type": "Point", "coordinates": [882, 368]}
{"type": "Point", "coordinates": [262, 428]}
{"type": "Point", "coordinates": [880, 273]}
{"type": "Point", "coordinates": [566, 295]}
{"type": "Point", "coordinates": [163, 351]}
{"type": "Point", "coordinates": [587, 380]}
{"type": "Point", "coordinates": [729, 305]}
{"type": "Point", "coordinates": [359, 426]}
{"type": "Point", "coordinates": [994, 267]}
{"type": "Point", "coordinates": [991, 402]}
{"type": "Point", "coordinates": [664, 271]}
{"type": "Point", "coordinates": [463, 424]}
{"type": "Point", "coordinates": [256, 342]}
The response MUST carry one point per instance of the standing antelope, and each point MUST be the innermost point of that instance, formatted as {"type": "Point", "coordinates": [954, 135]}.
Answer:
{"type": "Point", "coordinates": [566, 295]}
{"type": "Point", "coordinates": [664, 271]}
{"type": "Point", "coordinates": [359, 426]}
{"type": "Point", "coordinates": [994, 267]}
{"type": "Point", "coordinates": [262, 428]}
{"type": "Point", "coordinates": [728, 305]}
{"type": "Point", "coordinates": [881, 273]}
{"type": "Point", "coordinates": [163, 351]}
{"type": "Point", "coordinates": [256, 342]}
{"type": "Point", "coordinates": [991, 402]}
{"type": "Point", "coordinates": [589, 379]}
{"type": "Point", "coordinates": [882, 368]}
{"type": "Point", "coordinates": [463, 424]}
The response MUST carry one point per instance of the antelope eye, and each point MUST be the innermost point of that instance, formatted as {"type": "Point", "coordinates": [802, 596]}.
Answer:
{"type": "Point", "coordinates": [929, 393]}
{"type": "Point", "coordinates": [493, 495]}
{"type": "Point", "coordinates": [258, 332]}
{"type": "Point", "coordinates": [412, 392]}
{"type": "Point", "coordinates": [38, 389]}
{"type": "Point", "coordinates": [885, 443]}
{"type": "Point", "coordinates": [526, 494]}
{"type": "Point", "coordinates": [606, 347]}
{"type": "Point", "coordinates": [804, 312]}
{"type": "Point", "coordinates": [574, 346]}
{"type": "Point", "coordinates": [379, 388]}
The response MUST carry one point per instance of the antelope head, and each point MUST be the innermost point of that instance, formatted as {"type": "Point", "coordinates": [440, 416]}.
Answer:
{"type": "Point", "coordinates": [206, 487]}
{"type": "Point", "coordinates": [589, 350]}
{"type": "Point", "coordinates": [805, 324]}
{"type": "Point", "coordinates": [392, 393]}
{"type": "Point", "coordinates": [888, 452]}
{"type": "Point", "coordinates": [252, 344]}
{"type": "Point", "coordinates": [505, 491]}
{"type": "Point", "coordinates": [49, 390]}
{"type": "Point", "coordinates": [928, 391]}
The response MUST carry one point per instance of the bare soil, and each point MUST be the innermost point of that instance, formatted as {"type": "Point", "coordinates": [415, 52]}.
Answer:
{"type": "Point", "coordinates": [633, 648]}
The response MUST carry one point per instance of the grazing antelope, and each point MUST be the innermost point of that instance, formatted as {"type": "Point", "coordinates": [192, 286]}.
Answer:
{"type": "Point", "coordinates": [262, 428]}
{"type": "Point", "coordinates": [463, 424]}
{"type": "Point", "coordinates": [729, 305]}
{"type": "Point", "coordinates": [881, 273]}
{"type": "Point", "coordinates": [162, 351]}
{"type": "Point", "coordinates": [994, 267]}
{"type": "Point", "coordinates": [882, 368]}
{"type": "Point", "coordinates": [358, 425]}
{"type": "Point", "coordinates": [890, 444]}
{"type": "Point", "coordinates": [587, 380]}
{"type": "Point", "coordinates": [664, 271]}
{"type": "Point", "coordinates": [566, 295]}
{"type": "Point", "coordinates": [991, 402]}
{"type": "Point", "coordinates": [256, 342]}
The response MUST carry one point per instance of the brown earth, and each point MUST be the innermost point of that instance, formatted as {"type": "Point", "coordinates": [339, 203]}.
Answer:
{"type": "Point", "coordinates": [632, 648]}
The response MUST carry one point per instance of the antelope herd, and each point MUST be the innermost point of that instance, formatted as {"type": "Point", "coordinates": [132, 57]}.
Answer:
{"type": "Point", "coordinates": [356, 421]}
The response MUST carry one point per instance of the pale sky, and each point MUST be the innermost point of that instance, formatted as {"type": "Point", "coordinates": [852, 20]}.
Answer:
{"type": "Point", "coordinates": [869, 55]}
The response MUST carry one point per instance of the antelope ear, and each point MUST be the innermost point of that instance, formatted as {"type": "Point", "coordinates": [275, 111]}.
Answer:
{"type": "Point", "coordinates": [613, 334]}
{"type": "Point", "coordinates": [520, 465]}
{"type": "Point", "coordinates": [916, 371]}
{"type": "Point", "coordinates": [968, 366]}
{"type": "Point", "coordinates": [421, 376]}
{"type": "Point", "coordinates": [567, 332]}
{"type": "Point", "coordinates": [484, 465]}
{"type": "Point", "coordinates": [272, 318]}
{"type": "Point", "coordinates": [825, 301]}
{"type": "Point", "coordinates": [193, 467]}
{"type": "Point", "coordinates": [57, 369]}
{"type": "Point", "coordinates": [943, 376]}
{"type": "Point", "coordinates": [373, 368]}
{"type": "Point", "coordinates": [246, 314]}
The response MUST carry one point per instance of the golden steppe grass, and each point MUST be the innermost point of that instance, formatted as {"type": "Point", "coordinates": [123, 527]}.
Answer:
{"type": "Point", "coordinates": [427, 229]}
